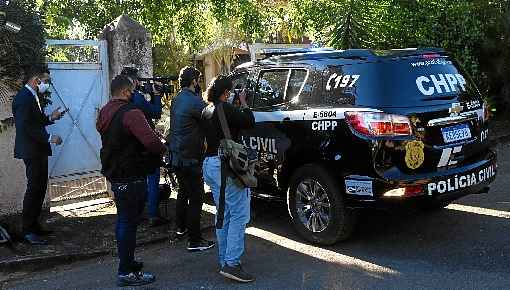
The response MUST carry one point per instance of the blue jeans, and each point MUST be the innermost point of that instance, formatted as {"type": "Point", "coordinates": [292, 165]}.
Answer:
{"type": "Point", "coordinates": [130, 201]}
{"type": "Point", "coordinates": [153, 193]}
{"type": "Point", "coordinates": [237, 213]}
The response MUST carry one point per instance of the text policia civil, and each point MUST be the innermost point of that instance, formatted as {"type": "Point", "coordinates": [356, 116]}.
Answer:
{"type": "Point", "coordinates": [461, 181]}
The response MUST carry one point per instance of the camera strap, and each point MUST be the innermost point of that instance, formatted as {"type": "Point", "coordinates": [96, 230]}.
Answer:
{"type": "Point", "coordinates": [226, 131]}
{"type": "Point", "coordinates": [221, 206]}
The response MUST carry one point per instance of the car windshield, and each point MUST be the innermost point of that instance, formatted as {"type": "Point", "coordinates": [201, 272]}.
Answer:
{"type": "Point", "coordinates": [399, 82]}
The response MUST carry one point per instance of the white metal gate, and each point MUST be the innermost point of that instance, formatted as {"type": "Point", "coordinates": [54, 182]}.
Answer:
{"type": "Point", "coordinates": [79, 73]}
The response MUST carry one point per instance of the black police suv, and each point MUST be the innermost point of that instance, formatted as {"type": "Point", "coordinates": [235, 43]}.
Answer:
{"type": "Point", "coordinates": [337, 131]}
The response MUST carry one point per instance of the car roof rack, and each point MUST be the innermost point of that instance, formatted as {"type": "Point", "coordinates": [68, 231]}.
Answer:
{"type": "Point", "coordinates": [414, 51]}
{"type": "Point", "coordinates": [270, 52]}
{"type": "Point", "coordinates": [364, 54]}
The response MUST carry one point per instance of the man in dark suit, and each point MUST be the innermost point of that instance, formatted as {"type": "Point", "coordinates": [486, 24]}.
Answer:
{"type": "Point", "coordinates": [32, 144]}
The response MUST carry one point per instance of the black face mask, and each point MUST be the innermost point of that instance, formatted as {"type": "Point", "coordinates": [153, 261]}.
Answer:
{"type": "Point", "coordinates": [198, 89]}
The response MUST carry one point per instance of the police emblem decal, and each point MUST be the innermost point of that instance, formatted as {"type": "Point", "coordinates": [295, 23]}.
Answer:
{"type": "Point", "coordinates": [414, 154]}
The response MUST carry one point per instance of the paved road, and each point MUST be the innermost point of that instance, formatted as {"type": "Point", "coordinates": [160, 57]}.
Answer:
{"type": "Point", "coordinates": [466, 246]}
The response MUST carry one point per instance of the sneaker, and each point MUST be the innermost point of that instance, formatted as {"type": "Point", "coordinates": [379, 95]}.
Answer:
{"type": "Point", "coordinates": [236, 273]}
{"type": "Point", "coordinates": [135, 279]}
{"type": "Point", "coordinates": [181, 233]}
{"type": "Point", "coordinates": [201, 245]}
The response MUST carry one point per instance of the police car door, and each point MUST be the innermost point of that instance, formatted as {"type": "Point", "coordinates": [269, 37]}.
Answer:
{"type": "Point", "coordinates": [276, 89]}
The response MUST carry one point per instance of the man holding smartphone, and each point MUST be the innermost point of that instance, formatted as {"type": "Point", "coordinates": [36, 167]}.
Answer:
{"type": "Point", "coordinates": [32, 144]}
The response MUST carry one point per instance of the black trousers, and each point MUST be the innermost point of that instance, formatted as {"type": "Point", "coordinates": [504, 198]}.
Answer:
{"type": "Point", "coordinates": [37, 183]}
{"type": "Point", "coordinates": [190, 198]}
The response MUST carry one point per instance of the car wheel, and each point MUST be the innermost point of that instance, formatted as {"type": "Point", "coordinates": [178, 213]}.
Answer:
{"type": "Point", "coordinates": [316, 206]}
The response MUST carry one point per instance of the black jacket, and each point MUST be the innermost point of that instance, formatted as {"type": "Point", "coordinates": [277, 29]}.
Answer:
{"type": "Point", "coordinates": [32, 139]}
{"type": "Point", "coordinates": [186, 140]}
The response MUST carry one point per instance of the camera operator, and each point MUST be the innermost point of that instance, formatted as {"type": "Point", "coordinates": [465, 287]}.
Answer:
{"type": "Point", "coordinates": [152, 110]}
{"type": "Point", "coordinates": [186, 152]}
{"type": "Point", "coordinates": [129, 146]}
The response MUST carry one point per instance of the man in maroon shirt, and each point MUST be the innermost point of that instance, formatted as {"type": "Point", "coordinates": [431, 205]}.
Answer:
{"type": "Point", "coordinates": [130, 148]}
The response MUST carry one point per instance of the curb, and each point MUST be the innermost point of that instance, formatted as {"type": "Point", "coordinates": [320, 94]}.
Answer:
{"type": "Point", "coordinates": [40, 262]}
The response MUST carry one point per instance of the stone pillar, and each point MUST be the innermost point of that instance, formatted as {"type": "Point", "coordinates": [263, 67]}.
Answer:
{"type": "Point", "coordinates": [129, 44]}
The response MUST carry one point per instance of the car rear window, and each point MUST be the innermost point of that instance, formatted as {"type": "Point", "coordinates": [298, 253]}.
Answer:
{"type": "Point", "coordinates": [402, 82]}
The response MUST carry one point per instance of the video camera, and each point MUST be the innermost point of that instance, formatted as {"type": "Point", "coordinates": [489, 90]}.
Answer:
{"type": "Point", "coordinates": [4, 24]}
{"type": "Point", "coordinates": [160, 84]}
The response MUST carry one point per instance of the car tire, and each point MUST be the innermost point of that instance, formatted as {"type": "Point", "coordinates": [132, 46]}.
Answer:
{"type": "Point", "coordinates": [314, 229]}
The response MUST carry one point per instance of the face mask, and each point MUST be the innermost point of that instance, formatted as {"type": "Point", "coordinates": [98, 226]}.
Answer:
{"type": "Point", "coordinates": [43, 87]}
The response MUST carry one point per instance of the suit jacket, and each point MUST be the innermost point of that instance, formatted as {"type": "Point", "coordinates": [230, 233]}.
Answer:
{"type": "Point", "coordinates": [32, 139]}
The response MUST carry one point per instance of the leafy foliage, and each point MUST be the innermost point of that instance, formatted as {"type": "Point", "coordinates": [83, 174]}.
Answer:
{"type": "Point", "coordinates": [22, 50]}
{"type": "Point", "coordinates": [476, 32]}
{"type": "Point", "coordinates": [18, 52]}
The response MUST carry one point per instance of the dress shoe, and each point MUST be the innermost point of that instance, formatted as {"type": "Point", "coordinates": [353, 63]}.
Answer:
{"type": "Point", "coordinates": [34, 239]}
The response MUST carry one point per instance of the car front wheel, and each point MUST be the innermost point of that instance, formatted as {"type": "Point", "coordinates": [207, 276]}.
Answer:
{"type": "Point", "coordinates": [317, 207]}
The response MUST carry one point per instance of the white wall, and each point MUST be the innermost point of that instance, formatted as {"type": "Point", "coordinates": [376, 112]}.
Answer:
{"type": "Point", "coordinates": [12, 175]}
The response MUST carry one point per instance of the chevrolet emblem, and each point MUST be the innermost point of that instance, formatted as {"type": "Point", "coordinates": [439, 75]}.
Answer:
{"type": "Point", "coordinates": [455, 109]}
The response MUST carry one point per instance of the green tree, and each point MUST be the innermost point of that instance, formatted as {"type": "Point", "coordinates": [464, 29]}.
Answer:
{"type": "Point", "coordinates": [20, 51]}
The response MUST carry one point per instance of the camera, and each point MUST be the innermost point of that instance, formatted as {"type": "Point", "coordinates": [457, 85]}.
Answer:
{"type": "Point", "coordinates": [163, 85]}
{"type": "Point", "coordinates": [4, 24]}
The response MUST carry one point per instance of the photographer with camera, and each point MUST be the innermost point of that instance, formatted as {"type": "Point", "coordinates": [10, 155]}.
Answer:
{"type": "Point", "coordinates": [231, 195]}
{"type": "Point", "coordinates": [152, 110]}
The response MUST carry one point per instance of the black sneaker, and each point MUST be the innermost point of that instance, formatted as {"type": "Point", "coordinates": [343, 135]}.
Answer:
{"type": "Point", "coordinates": [236, 273]}
{"type": "Point", "coordinates": [201, 245]}
{"type": "Point", "coordinates": [135, 279]}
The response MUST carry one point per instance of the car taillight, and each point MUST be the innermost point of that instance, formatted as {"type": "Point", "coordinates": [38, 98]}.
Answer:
{"type": "Point", "coordinates": [379, 124]}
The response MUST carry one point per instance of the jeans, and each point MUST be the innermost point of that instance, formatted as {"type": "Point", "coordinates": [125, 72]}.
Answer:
{"type": "Point", "coordinates": [153, 193]}
{"type": "Point", "coordinates": [37, 183]}
{"type": "Point", "coordinates": [130, 201]}
{"type": "Point", "coordinates": [237, 213]}
{"type": "Point", "coordinates": [190, 198]}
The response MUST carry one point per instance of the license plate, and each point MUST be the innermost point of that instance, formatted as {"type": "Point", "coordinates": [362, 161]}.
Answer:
{"type": "Point", "coordinates": [456, 133]}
